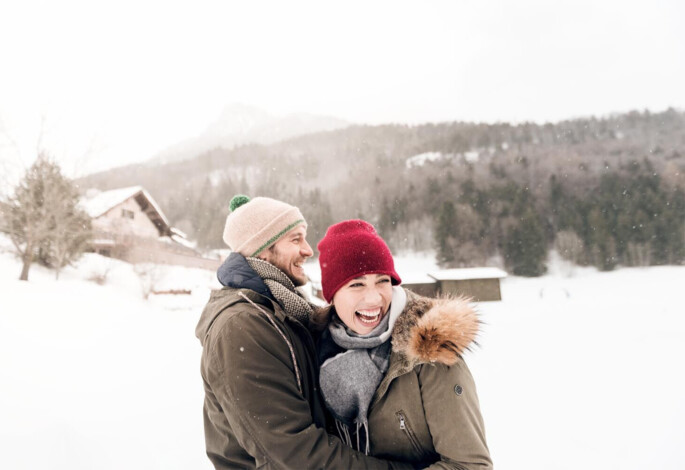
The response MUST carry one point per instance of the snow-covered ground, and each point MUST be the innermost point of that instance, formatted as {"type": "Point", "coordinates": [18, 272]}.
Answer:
{"type": "Point", "coordinates": [582, 372]}
{"type": "Point", "coordinates": [574, 370]}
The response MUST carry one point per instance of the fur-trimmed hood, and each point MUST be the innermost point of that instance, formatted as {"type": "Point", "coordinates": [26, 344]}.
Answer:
{"type": "Point", "coordinates": [435, 330]}
{"type": "Point", "coordinates": [429, 331]}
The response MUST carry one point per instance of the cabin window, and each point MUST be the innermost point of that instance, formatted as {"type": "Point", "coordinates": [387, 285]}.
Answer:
{"type": "Point", "coordinates": [127, 214]}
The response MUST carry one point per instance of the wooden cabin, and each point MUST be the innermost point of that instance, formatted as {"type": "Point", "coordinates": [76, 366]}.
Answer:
{"type": "Point", "coordinates": [129, 225]}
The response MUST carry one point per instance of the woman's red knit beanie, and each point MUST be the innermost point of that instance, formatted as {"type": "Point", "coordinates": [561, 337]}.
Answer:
{"type": "Point", "coordinates": [352, 249]}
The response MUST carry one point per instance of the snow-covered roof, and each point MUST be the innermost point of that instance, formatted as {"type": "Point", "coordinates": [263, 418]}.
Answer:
{"type": "Point", "coordinates": [97, 204]}
{"type": "Point", "coordinates": [153, 203]}
{"type": "Point", "coordinates": [103, 241]}
{"type": "Point", "coordinates": [177, 232]}
{"type": "Point", "coordinates": [182, 241]}
{"type": "Point", "coordinates": [460, 274]}
{"type": "Point", "coordinates": [417, 278]}
{"type": "Point", "coordinates": [422, 158]}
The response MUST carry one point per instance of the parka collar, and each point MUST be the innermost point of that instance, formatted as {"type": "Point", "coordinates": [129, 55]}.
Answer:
{"type": "Point", "coordinates": [237, 273]}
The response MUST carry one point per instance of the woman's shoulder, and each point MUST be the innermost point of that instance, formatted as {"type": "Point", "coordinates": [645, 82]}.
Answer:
{"type": "Point", "coordinates": [435, 330]}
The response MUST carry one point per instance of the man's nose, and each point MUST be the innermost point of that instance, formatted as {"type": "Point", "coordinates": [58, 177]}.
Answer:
{"type": "Point", "coordinates": [306, 250]}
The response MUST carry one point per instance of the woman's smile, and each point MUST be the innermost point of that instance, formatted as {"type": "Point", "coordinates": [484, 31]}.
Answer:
{"type": "Point", "coordinates": [370, 317]}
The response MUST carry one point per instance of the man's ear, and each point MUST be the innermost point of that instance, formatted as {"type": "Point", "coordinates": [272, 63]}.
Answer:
{"type": "Point", "coordinates": [266, 254]}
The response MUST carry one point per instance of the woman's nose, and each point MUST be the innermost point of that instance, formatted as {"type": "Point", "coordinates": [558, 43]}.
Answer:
{"type": "Point", "coordinates": [372, 295]}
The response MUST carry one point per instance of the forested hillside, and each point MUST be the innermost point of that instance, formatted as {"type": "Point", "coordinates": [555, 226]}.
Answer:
{"type": "Point", "coordinates": [604, 191]}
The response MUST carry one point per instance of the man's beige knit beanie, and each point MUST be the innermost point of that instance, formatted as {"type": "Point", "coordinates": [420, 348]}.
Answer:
{"type": "Point", "coordinates": [256, 224]}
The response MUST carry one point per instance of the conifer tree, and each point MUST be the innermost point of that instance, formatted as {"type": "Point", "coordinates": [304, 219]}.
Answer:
{"type": "Point", "coordinates": [445, 226]}
{"type": "Point", "coordinates": [525, 246]}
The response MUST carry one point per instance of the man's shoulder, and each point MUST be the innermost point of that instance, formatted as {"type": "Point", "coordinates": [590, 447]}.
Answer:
{"type": "Point", "coordinates": [244, 330]}
{"type": "Point", "coordinates": [238, 311]}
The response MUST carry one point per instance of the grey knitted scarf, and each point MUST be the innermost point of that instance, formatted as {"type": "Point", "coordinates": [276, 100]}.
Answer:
{"type": "Point", "coordinates": [349, 379]}
{"type": "Point", "coordinates": [283, 290]}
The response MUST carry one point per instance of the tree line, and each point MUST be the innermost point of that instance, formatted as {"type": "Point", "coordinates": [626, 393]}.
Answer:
{"type": "Point", "coordinates": [628, 218]}
{"type": "Point", "coordinates": [603, 191]}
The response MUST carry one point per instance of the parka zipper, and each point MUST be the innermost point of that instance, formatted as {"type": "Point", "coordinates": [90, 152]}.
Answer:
{"type": "Point", "coordinates": [404, 426]}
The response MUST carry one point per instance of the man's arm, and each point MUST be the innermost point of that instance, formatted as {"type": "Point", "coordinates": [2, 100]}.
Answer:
{"type": "Point", "coordinates": [251, 373]}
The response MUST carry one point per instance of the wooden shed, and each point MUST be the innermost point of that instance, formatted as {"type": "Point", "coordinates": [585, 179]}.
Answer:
{"type": "Point", "coordinates": [422, 284]}
{"type": "Point", "coordinates": [483, 284]}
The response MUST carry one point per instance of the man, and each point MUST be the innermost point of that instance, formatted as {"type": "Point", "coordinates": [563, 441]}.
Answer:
{"type": "Point", "coordinates": [262, 407]}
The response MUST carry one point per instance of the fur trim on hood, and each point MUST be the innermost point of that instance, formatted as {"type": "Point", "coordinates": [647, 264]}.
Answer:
{"type": "Point", "coordinates": [435, 330]}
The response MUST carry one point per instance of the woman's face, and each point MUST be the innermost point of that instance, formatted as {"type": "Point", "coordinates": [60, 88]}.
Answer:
{"type": "Point", "coordinates": [363, 302]}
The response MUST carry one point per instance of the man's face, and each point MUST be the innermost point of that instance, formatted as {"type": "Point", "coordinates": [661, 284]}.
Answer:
{"type": "Point", "coordinates": [289, 253]}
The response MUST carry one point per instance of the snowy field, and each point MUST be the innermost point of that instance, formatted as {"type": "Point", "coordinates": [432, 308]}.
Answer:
{"type": "Point", "coordinates": [574, 370]}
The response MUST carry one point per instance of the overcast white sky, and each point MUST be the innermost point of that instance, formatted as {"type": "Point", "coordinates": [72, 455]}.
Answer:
{"type": "Point", "coordinates": [119, 81]}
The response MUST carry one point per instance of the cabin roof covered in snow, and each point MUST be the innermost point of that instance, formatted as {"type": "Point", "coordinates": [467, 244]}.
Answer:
{"type": "Point", "coordinates": [99, 203]}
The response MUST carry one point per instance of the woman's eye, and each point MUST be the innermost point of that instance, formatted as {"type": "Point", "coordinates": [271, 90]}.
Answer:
{"type": "Point", "coordinates": [384, 280]}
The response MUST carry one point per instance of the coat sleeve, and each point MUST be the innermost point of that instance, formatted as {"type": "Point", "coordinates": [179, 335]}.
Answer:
{"type": "Point", "coordinates": [250, 370]}
{"type": "Point", "coordinates": [452, 411]}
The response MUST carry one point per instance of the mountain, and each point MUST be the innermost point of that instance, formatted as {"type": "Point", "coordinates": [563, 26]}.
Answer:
{"type": "Point", "coordinates": [241, 124]}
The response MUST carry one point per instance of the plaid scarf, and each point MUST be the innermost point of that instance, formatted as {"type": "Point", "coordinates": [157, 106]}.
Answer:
{"type": "Point", "coordinates": [283, 290]}
{"type": "Point", "coordinates": [353, 367]}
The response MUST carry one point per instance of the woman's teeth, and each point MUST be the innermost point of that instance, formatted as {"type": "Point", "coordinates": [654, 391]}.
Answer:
{"type": "Point", "coordinates": [369, 316]}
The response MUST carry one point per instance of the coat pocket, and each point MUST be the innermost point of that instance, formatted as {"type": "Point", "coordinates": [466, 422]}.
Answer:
{"type": "Point", "coordinates": [407, 430]}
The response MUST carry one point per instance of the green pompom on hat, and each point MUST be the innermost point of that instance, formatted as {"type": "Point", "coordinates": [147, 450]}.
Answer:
{"type": "Point", "coordinates": [251, 228]}
{"type": "Point", "coordinates": [237, 201]}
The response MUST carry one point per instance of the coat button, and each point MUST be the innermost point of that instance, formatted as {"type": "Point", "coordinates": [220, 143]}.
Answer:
{"type": "Point", "coordinates": [458, 390]}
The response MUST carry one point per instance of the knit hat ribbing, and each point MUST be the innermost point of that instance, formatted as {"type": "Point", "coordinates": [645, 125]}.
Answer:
{"type": "Point", "coordinates": [256, 224]}
{"type": "Point", "coordinates": [351, 249]}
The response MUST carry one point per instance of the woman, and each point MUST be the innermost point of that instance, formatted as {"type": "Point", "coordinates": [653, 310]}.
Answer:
{"type": "Point", "coordinates": [391, 372]}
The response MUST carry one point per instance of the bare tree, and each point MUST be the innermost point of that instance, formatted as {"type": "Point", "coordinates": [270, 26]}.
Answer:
{"type": "Point", "coordinates": [42, 216]}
